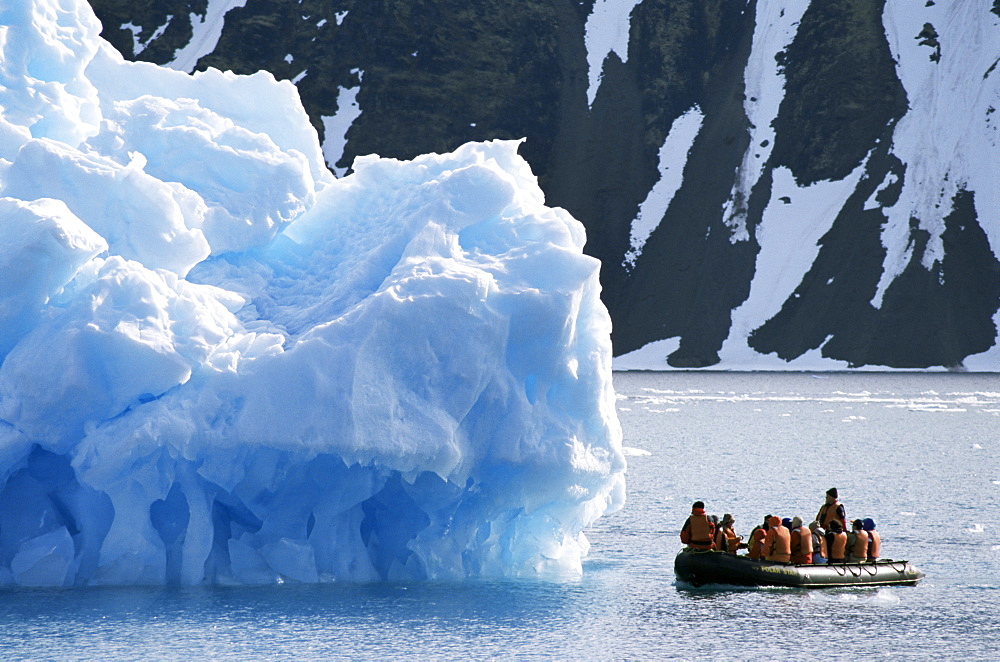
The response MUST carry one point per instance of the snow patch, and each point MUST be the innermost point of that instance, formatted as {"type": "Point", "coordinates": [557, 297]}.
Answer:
{"type": "Point", "coordinates": [961, 152]}
{"type": "Point", "coordinates": [775, 26]}
{"type": "Point", "coordinates": [607, 31]}
{"type": "Point", "coordinates": [789, 236]}
{"type": "Point", "coordinates": [651, 356]}
{"type": "Point", "coordinates": [672, 157]}
{"type": "Point", "coordinates": [206, 32]}
{"type": "Point", "coordinates": [335, 127]}
{"type": "Point", "coordinates": [136, 30]}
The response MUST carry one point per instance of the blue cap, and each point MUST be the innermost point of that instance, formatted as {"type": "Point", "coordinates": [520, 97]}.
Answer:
{"type": "Point", "coordinates": [868, 524]}
{"type": "Point", "coordinates": [787, 521]}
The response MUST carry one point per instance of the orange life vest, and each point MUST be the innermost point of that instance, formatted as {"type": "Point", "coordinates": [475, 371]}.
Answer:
{"type": "Point", "coordinates": [698, 531]}
{"type": "Point", "coordinates": [802, 545]}
{"type": "Point", "coordinates": [860, 549]}
{"type": "Point", "coordinates": [778, 544]}
{"type": "Point", "coordinates": [726, 540]}
{"type": "Point", "coordinates": [838, 549]}
{"type": "Point", "coordinates": [757, 543]}
{"type": "Point", "coordinates": [828, 513]}
{"type": "Point", "coordinates": [874, 545]}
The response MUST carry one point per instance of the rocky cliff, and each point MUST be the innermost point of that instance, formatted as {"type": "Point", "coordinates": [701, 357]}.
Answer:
{"type": "Point", "coordinates": [769, 184]}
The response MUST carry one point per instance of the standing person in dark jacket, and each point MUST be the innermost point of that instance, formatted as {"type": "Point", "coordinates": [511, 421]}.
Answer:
{"type": "Point", "coordinates": [832, 510]}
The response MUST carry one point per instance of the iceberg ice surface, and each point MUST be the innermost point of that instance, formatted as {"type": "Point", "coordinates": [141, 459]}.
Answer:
{"type": "Point", "coordinates": [221, 364]}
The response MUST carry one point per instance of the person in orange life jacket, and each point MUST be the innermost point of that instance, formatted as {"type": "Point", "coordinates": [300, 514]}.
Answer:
{"type": "Point", "coordinates": [756, 545]}
{"type": "Point", "coordinates": [836, 543]}
{"type": "Point", "coordinates": [818, 543]}
{"type": "Point", "coordinates": [698, 531]}
{"type": "Point", "coordinates": [726, 539]}
{"type": "Point", "coordinates": [857, 543]}
{"type": "Point", "coordinates": [802, 545]}
{"type": "Point", "coordinates": [832, 510]}
{"type": "Point", "coordinates": [874, 539]}
{"type": "Point", "coordinates": [777, 542]}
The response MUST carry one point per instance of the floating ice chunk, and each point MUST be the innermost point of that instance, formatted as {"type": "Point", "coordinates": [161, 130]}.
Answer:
{"type": "Point", "coordinates": [628, 451]}
{"type": "Point", "coordinates": [402, 374]}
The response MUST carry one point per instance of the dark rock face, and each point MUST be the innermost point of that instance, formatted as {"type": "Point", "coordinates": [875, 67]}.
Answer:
{"type": "Point", "coordinates": [435, 74]}
{"type": "Point", "coordinates": [841, 91]}
{"type": "Point", "coordinates": [150, 18]}
{"type": "Point", "coordinates": [681, 55]}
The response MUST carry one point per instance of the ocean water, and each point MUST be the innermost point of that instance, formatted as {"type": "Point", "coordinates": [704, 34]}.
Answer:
{"type": "Point", "coordinates": [919, 453]}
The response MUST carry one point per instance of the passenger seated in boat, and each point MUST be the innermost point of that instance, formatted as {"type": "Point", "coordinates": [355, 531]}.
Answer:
{"type": "Point", "coordinates": [836, 543]}
{"type": "Point", "coordinates": [818, 543]}
{"type": "Point", "coordinates": [726, 539]}
{"type": "Point", "coordinates": [832, 510]}
{"type": "Point", "coordinates": [874, 539]}
{"type": "Point", "coordinates": [777, 542]}
{"type": "Point", "coordinates": [698, 531]}
{"type": "Point", "coordinates": [757, 536]}
{"type": "Point", "coordinates": [802, 545]}
{"type": "Point", "coordinates": [857, 543]}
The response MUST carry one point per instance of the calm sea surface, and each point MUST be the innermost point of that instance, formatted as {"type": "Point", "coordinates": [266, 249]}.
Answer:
{"type": "Point", "coordinates": [918, 453]}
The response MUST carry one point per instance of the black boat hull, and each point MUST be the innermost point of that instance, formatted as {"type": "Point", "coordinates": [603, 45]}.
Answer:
{"type": "Point", "coordinates": [700, 568]}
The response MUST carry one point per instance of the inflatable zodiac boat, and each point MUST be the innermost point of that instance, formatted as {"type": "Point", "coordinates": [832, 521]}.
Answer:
{"type": "Point", "coordinates": [702, 567]}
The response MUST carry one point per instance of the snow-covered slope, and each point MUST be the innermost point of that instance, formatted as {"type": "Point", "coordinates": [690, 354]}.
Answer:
{"type": "Point", "coordinates": [777, 185]}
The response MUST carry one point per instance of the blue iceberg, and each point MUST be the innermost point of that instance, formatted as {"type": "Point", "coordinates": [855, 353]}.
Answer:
{"type": "Point", "coordinates": [220, 364]}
